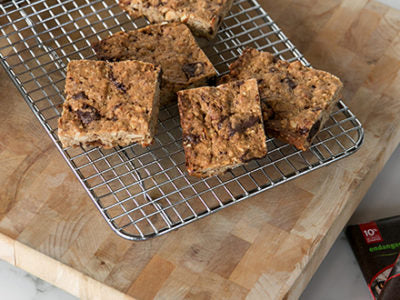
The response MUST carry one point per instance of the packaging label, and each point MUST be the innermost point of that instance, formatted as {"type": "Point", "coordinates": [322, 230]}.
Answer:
{"type": "Point", "coordinates": [371, 233]}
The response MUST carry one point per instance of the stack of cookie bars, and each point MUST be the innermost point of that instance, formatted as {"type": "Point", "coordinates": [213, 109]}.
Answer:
{"type": "Point", "coordinates": [115, 100]}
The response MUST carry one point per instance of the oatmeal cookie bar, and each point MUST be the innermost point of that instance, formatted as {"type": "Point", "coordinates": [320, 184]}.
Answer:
{"type": "Point", "coordinates": [222, 127]}
{"type": "Point", "coordinates": [109, 104]}
{"type": "Point", "coordinates": [202, 16]}
{"type": "Point", "coordinates": [172, 46]}
{"type": "Point", "coordinates": [296, 100]}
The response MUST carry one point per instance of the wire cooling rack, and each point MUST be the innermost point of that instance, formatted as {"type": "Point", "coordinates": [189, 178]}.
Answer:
{"type": "Point", "coordinates": [143, 193]}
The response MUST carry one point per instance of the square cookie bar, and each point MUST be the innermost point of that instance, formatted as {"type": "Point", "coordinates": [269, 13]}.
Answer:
{"type": "Point", "coordinates": [296, 100]}
{"type": "Point", "coordinates": [109, 104]}
{"type": "Point", "coordinates": [222, 127]}
{"type": "Point", "coordinates": [172, 46]}
{"type": "Point", "coordinates": [203, 16]}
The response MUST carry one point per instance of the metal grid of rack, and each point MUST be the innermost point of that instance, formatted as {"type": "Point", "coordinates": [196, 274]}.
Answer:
{"type": "Point", "coordinates": [143, 193]}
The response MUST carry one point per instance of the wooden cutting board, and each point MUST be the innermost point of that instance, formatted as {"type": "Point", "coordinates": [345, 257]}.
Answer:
{"type": "Point", "coordinates": [266, 247]}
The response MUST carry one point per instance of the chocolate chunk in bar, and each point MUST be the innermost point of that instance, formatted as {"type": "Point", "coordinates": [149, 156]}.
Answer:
{"type": "Point", "coordinates": [89, 114]}
{"type": "Point", "coordinates": [193, 69]}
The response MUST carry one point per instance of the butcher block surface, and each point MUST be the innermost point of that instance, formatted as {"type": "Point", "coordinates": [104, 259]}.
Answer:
{"type": "Point", "coordinates": [266, 247]}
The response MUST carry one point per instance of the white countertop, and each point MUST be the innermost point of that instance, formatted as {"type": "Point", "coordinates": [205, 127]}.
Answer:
{"type": "Point", "coordinates": [16, 284]}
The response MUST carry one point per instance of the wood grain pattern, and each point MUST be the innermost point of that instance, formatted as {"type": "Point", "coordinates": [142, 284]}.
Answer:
{"type": "Point", "coordinates": [266, 247]}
